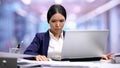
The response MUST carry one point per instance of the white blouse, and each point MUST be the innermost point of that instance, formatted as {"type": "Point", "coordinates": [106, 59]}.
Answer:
{"type": "Point", "coordinates": [55, 47]}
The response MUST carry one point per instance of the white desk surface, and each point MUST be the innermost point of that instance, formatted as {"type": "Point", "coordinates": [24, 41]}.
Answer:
{"type": "Point", "coordinates": [66, 64]}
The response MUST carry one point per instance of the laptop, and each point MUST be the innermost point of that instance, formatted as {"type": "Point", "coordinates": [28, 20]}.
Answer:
{"type": "Point", "coordinates": [84, 45]}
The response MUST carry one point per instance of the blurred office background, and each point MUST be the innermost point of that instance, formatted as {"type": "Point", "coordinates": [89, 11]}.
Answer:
{"type": "Point", "coordinates": [21, 19]}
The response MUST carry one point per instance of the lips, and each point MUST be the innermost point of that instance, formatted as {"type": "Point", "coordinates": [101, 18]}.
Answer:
{"type": "Point", "coordinates": [57, 29]}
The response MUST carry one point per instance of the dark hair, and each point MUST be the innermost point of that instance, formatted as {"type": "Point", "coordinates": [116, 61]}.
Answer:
{"type": "Point", "coordinates": [56, 8]}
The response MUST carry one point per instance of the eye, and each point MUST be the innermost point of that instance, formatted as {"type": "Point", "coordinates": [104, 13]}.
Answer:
{"type": "Point", "coordinates": [53, 21]}
{"type": "Point", "coordinates": [62, 20]}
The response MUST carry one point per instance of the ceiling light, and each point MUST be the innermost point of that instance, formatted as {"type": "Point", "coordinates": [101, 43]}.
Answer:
{"type": "Point", "coordinates": [58, 1]}
{"type": "Point", "coordinates": [90, 1]}
{"type": "Point", "coordinates": [27, 2]}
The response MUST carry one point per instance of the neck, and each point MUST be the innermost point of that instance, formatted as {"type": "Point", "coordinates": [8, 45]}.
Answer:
{"type": "Point", "coordinates": [57, 35]}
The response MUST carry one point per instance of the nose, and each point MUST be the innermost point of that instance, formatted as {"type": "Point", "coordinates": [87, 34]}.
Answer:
{"type": "Point", "coordinates": [57, 24]}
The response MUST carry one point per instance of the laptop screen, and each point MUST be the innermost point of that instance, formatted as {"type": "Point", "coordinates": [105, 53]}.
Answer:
{"type": "Point", "coordinates": [84, 44]}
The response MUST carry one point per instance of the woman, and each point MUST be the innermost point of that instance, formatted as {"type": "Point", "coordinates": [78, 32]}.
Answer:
{"type": "Point", "coordinates": [49, 44]}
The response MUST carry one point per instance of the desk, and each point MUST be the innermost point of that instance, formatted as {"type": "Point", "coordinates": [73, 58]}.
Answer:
{"type": "Point", "coordinates": [67, 64]}
{"type": "Point", "coordinates": [13, 59]}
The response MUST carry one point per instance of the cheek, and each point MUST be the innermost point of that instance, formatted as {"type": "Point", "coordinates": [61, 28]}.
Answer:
{"type": "Point", "coordinates": [62, 24]}
{"type": "Point", "coordinates": [52, 25]}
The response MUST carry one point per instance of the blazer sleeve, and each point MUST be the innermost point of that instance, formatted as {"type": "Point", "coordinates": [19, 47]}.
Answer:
{"type": "Point", "coordinates": [34, 47]}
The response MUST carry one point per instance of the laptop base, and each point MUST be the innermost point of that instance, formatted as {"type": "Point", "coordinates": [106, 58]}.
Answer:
{"type": "Point", "coordinates": [82, 59]}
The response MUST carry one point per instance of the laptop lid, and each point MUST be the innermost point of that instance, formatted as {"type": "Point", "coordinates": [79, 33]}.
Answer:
{"type": "Point", "coordinates": [84, 44]}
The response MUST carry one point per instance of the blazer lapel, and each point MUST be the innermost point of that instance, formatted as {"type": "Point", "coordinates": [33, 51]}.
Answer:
{"type": "Point", "coordinates": [46, 43]}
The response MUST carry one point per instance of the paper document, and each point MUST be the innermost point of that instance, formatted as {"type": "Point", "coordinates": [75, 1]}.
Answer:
{"type": "Point", "coordinates": [14, 55]}
{"type": "Point", "coordinates": [29, 63]}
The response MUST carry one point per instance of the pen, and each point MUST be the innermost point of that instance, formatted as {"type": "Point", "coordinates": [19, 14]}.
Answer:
{"type": "Point", "coordinates": [18, 46]}
{"type": "Point", "coordinates": [17, 49]}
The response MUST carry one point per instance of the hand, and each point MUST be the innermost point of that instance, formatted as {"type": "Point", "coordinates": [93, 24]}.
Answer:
{"type": "Point", "coordinates": [107, 56]}
{"type": "Point", "coordinates": [41, 58]}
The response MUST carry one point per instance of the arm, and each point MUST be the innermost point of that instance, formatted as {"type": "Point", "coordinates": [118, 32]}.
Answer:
{"type": "Point", "coordinates": [35, 48]}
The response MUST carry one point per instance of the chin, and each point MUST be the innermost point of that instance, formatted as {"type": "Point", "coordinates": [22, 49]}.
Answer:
{"type": "Point", "coordinates": [58, 31]}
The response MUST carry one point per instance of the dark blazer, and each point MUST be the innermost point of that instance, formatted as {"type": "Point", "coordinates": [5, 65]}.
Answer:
{"type": "Point", "coordinates": [39, 45]}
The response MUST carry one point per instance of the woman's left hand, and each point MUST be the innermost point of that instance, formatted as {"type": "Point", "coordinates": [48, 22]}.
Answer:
{"type": "Point", "coordinates": [107, 56]}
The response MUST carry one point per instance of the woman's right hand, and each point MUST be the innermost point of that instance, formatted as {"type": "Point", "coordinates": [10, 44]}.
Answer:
{"type": "Point", "coordinates": [41, 58]}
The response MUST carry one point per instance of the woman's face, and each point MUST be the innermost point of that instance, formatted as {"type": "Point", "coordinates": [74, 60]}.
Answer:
{"type": "Point", "coordinates": [56, 23]}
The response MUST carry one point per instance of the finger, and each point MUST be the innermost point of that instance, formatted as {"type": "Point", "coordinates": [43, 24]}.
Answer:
{"type": "Point", "coordinates": [105, 57]}
{"type": "Point", "coordinates": [109, 56]}
{"type": "Point", "coordinates": [45, 58]}
{"type": "Point", "coordinates": [41, 58]}
{"type": "Point", "coordinates": [37, 58]}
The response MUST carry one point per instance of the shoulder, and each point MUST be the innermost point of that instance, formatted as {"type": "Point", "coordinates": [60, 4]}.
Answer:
{"type": "Point", "coordinates": [39, 34]}
{"type": "Point", "coordinates": [42, 34]}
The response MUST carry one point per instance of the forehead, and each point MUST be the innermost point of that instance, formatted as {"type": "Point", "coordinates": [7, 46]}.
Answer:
{"type": "Point", "coordinates": [57, 16]}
